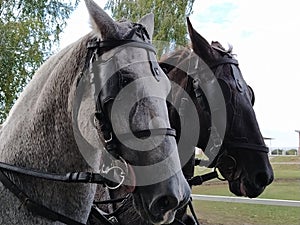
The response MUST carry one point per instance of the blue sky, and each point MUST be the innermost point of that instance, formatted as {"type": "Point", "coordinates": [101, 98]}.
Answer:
{"type": "Point", "coordinates": [264, 36]}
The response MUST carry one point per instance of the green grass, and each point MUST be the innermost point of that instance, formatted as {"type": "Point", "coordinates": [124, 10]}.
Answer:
{"type": "Point", "coordinates": [285, 159]}
{"type": "Point", "coordinates": [238, 214]}
{"type": "Point", "coordinates": [289, 171]}
{"type": "Point", "coordinates": [285, 186]}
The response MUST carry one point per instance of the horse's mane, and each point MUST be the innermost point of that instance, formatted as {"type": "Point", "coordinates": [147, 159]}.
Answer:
{"type": "Point", "coordinates": [175, 56]}
{"type": "Point", "coordinates": [172, 60]}
{"type": "Point", "coordinates": [217, 46]}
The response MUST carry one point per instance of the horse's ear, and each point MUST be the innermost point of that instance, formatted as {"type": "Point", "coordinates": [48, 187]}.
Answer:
{"type": "Point", "coordinates": [148, 22]}
{"type": "Point", "coordinates": [200, 46]}
{"type": "Point", "coordinates": [101, 22]}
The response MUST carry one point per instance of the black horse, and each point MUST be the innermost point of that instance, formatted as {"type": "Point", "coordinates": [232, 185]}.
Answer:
{"type": "Point", "coordinates": [209, 82]}
{"type": "Point", "coordinates": [242, 144]}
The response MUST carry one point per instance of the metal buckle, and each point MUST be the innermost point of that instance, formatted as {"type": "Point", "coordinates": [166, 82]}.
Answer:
{"type": "Point", "coordinates": [115, 170]}
{"type": "Point", "coordinates": [113, 220]}
{"type": "Point", "coordinates": [93, 59]}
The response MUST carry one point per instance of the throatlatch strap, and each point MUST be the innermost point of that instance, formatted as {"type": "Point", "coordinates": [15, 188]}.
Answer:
{"type": "Point", "coordinates": [33, 206]}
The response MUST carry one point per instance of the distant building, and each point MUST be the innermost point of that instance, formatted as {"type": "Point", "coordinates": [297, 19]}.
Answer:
{"type": "Point", "coordinates": [298, 131]}
{"type": "Point", "coordinates": [270, 144]}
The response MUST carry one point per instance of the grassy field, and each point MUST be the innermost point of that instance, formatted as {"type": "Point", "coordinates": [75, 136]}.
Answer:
{"type": "Point", "coordinates": [285, 186]}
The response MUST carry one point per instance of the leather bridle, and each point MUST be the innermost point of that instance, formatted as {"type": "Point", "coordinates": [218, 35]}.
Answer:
{"type": "Point", "coordinates": [95, 49]}
{"type": "Point", "coordinates": [218, 146]}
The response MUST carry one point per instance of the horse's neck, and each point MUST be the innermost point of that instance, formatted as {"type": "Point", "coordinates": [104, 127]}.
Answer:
{"type": "Point", "coordinates": [38, 134]}
{"type": "Point", "coordinates": [42, 113]}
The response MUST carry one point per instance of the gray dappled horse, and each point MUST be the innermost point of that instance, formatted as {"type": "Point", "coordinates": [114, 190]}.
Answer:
{"type": "Point", "coordinates": [240, 155]}
{"type": "Point", "coordinates": [44, 129]}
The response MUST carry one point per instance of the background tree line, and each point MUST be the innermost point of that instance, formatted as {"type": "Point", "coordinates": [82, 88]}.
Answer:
{"type": "Point", "coordinates": [29, 30]}
{"type": "Point", "coordinates": [29, 33]}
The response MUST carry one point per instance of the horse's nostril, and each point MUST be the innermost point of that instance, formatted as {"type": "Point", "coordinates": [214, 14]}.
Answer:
{"type": "Point", "coordinates": [263, 179]}
{"type": "Point", "coordinates": [163, 204]}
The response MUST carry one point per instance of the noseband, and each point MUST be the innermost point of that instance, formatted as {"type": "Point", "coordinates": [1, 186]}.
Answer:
{"type": "Point", "coordinates": [95, 49]}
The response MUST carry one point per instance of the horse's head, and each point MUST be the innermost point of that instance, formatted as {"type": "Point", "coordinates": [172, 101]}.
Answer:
{"type": "Point", "coordinates": [243, 158]}
{"type": "Point", "coordinates": [133, 115]}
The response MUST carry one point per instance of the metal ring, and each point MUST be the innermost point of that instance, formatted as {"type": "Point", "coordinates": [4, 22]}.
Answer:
{"type": "Point", "coordinates": [122, 176]}
{"type": "Point", "coordinates": [110, 138]}
{"type": "Point", "coordinates": [218, 177]}
{"type": "Point", "coordinates": [122, 173]}
{"type": "Point", "coordinates": [233, 168]}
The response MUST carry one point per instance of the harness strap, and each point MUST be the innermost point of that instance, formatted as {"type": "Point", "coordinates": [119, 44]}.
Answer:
{"type": "Point", "coordinates": [224, 61]}
{"type": "Point", "coordinates": [115, 200]}
{"type": "Point", "coordinates": [116, 43]}
{"type": "Point", "coordinates": [198, 180]}
{"type": "Point", "coordinates": [248, 146]}
{"type": "Point", "coordinates": [109, 219]}
{"type": "Point", "coordinates": [100, 215]}
{"type": "Point", "coordinates": [33, 206]}
{"type": "Point", "coordinates": [73, 177]}
{"type": "Point", "coordinates": [149, 132]}
{"type": "Point", "coordinates": [193, 211]}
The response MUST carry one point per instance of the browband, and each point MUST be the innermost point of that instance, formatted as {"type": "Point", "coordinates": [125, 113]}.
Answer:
{"type": "Point", "coordinates": [108, 45]}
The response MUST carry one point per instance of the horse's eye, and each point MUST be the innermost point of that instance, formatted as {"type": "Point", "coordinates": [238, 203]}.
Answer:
{"type": "Point", "coordinates": [125, 81]}
{"type": "Point", "coordinates": [165, 70]}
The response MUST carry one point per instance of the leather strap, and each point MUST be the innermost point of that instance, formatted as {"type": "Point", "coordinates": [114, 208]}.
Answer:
{"type": "Point", "coordinates": [198, 180]}
{"type": "Point", "coordinates": [131, 43]}
{"type": "Point", "coordinates": [247, 146]}
{"type": "Point", "coordinates": [73, 177]}
{"type": "Point", "coordinates": [33, 206]}
{"type": "Point", "coordinates": [148, 133]}
{"type": "Point", "coordinates": [104, 46]}
{"type": "Point", "coordinates": [224, 61]}
{"type": "Point", "coordinates": [99, 215]}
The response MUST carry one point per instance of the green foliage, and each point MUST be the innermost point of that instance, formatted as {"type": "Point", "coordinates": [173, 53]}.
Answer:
{"type": "Point", "coordinates": [291, 152]}
{"type": "Point", "coordinates": [29, 29]}
{"type": "Point", "coordinates": [277, 152]}
{"type": "Point", "coordinates": [284, 152]}
{"type": "Point", "coordinates": [170, 18]}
